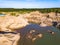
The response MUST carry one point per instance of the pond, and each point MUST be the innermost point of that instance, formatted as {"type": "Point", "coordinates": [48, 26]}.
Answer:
{"type": "Point", "coordinates": [50, 35]}
{"type": "Point", "coordinates": [2, 14]}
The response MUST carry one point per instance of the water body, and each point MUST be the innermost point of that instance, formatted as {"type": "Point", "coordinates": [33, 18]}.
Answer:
{"type": "Point", "coordinates": [2, 14]}
{"type": "Point", "coordinates": [37, 28]}
{"type": "Point", "coordinates": [47, 39]}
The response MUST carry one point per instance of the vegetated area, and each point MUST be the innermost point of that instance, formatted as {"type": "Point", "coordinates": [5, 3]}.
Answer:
{"type": "Point", "coordinates": [22, 10]}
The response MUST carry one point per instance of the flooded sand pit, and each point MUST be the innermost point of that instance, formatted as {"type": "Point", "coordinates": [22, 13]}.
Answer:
{"type": "Point", "coordinates": [48, 38]}
{"type": "Point", "coordinates": [34, 34]}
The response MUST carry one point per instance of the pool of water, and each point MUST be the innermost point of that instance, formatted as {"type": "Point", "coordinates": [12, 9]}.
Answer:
{"type": "Point", "coordinates": [2, 14]}
{"type": "Point", "coordinates": [47, 39]}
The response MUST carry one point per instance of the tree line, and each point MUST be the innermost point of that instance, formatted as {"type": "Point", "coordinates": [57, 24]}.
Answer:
{"type": "Point", "coordinates": [43, 10]}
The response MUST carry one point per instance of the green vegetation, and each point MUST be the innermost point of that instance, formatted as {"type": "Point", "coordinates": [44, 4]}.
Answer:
{"type": "Point", "coordinates": [13, 14]}
{"type": "Point", "coordinates": [23, 10]}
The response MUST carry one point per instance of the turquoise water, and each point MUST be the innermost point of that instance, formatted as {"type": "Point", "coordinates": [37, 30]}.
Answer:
{"type": "Point", "coordinates": [2, 14]}
{"type": "Point", "coordinates": [47, 39]}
